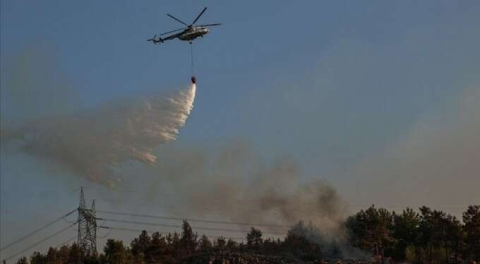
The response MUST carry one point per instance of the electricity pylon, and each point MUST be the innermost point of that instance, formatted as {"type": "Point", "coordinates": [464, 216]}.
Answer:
{"type": "Point", "coordinates": [87, 227]}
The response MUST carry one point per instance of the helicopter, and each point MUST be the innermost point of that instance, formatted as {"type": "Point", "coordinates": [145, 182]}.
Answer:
{"type": "Point", "coordinates": [188, 33]}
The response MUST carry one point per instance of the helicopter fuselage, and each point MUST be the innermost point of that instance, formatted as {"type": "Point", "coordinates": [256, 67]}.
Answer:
{"type": "Point", "coordinates": [192, 33]}
{"type": "Point", "coordinates": [188, 33]}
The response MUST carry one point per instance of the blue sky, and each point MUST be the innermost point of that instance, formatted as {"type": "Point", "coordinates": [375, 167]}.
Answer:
{"type": "Point", "coordinates": [332, 83]}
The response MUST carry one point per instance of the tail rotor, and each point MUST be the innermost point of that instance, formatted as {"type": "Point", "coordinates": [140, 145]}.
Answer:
{"type": "Point", "coordinates": [154, 39]}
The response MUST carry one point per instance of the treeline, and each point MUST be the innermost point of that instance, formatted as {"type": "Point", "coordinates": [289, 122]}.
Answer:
{"type": "Point", "coordinates": [182, 248]}
{"type": "Point", "coordinates": [427, 236]}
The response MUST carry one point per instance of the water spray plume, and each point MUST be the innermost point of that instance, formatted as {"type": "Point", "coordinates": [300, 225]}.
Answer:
{"type": "Point", "coordinates": [92, 144]}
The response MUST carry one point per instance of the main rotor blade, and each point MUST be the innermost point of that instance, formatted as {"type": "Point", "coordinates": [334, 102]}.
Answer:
{"type": "Point", "coordinates": [177, 19]}
{"type": "Point", "coordinates": [201, 13]}
{"type": "Point", "coordinates": [171, 31]}
{"type": "Point", "coordinates": [210, 25]}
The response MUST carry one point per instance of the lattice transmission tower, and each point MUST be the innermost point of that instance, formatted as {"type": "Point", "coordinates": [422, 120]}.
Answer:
{"type": "Point", "coordinates": [87, 227]}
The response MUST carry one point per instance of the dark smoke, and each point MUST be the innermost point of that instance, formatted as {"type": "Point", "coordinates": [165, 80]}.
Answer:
{"type": "Point", "coordinates": [235, 184]}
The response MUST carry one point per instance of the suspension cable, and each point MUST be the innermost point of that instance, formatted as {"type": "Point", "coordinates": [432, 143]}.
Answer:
{"type": "Point", "coordinates": [179, 226]}
{"type": "Point", "coordinates": [38, 230]}
{"type": "Point", "coordinates": [191, 57]}
{"type": "Point", "coordinates": [197, 220]}
{"type": "Point", "coordinates": [41, 241]}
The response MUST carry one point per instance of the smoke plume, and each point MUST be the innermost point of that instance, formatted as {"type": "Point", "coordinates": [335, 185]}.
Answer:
{"type": "Point", "coordinates": [235, 184]}
{"type": "Point", "coordinates": [442, 147]}
{"type": "Point", "coordinates": [94, 144]}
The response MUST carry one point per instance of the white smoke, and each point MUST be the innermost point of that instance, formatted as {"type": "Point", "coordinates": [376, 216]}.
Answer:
{"type": "Point", "coordinates": [93, 144]}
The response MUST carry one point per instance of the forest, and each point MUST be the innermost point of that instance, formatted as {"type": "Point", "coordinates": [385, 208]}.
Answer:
{"type": "Point", "coordinates": [373, 235]}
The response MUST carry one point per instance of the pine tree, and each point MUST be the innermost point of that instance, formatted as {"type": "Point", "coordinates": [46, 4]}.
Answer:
{"type": "Point", "coordinates": [471, 219]}
{"type": "Point", "coordinates": [38, 258]}
{"type": "Point", "coordinates": [115, 252]}
{"type": "Point", "coordinates": [231, 245]}
{"type": "Point", "coordinates": [371, 230]}
{"type": "Point", "coordinates": [22, 260]}
{"type": "Point", "coordinates": [301, 241]}
{"type": "Point", "coordinates": [52, 256]}
{"type": "Point", "coordinates": [254, 239]}
{"type": "Point", "coordinates": [139, 247]}
{"type": "Point", "coordinates": [188, 241]}
{"type": "Point", "coordinates": [405, 231]}
{"type": "Point", "coordinates": [220, 243]}
{"type": "Point", "coordinates": [157, 249]}
{"type": "Point", "coordinates": [74, 255]}
{"type": "Point", "coordinates": [62, 254]}
{"type": "Point", "coordinates": [204, 244]}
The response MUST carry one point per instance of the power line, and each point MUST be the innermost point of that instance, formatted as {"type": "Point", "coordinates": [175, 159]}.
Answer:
{"type": "Point", "coordinates": [151, 231]}
{"type": "Point", "coordinates": [38, 230]}
{"type": "Point", "coordinates": [39, 242]}
{"type": "Point", "coordinates": [195, 220]}
{"type": "Point", "coordinates": [179, 226]}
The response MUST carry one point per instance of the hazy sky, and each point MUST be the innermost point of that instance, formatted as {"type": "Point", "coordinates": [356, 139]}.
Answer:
{"type": "Point", "coordinates": [379, 98]}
